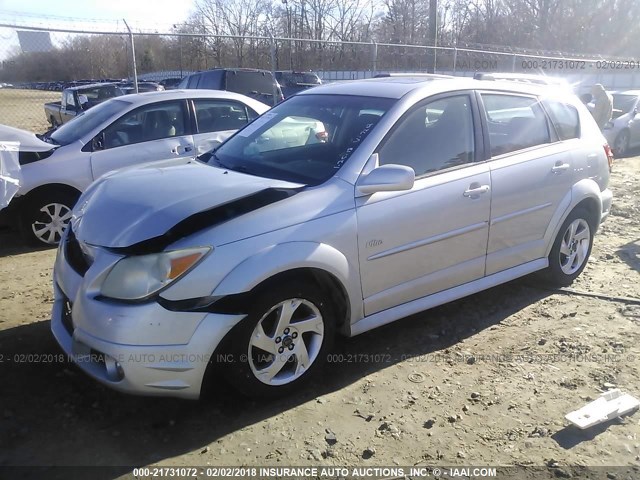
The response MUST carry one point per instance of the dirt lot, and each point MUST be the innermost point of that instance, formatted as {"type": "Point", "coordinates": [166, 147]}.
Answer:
{"type": "Point", "coordinates": [483, 381]}
{"type": "Point", "coordinates": [25, 108]}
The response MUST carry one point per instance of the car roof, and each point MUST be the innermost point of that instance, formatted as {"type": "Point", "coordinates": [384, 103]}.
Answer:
{"type": "Point", "coordinates": [91, 85]}
{"type": "Point", "coordinates": [397, 87]}
{"type": "Point", "coordinates": [522, 77]}
{"type": "Point", "coordinates": [150, 97]}
{"type": "Point", "coordinates": [627, 92]}
{"type": "Point", "coordinates": [231, 70]}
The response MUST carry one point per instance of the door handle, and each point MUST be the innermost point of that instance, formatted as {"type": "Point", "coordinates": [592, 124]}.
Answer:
{"type": "Point", "coordinates": [560, 167]}
{"type": "Point", "coordinates": [475, 191]}
{"type": "Point", "coordinates": [186, 149]}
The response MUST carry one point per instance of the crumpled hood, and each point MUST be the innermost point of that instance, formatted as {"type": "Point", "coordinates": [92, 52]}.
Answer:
{"type": "Point", "coordinates": [137, 205]}
{"type": "Point", "coordinates": [28, 141]}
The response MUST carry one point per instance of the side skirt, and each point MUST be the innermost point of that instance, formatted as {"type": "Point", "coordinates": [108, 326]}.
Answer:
{"type": "Point", "coordinates": [446, 296]}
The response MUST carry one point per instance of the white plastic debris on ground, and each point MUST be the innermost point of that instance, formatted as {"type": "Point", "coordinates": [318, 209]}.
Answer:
{"type": "Point", "coordinates": [610, 405]}
{"type": "Point", "coordinates": [10, 174]}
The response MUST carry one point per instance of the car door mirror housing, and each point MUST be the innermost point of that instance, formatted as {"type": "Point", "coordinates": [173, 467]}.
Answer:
{"type": "Point", "coordinates": [387, 178]}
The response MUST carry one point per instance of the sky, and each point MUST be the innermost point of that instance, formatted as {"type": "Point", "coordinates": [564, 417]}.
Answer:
{"type": "Point", "coordinates": [154, 15]}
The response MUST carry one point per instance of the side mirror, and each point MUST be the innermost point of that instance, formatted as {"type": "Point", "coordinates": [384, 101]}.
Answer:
{"type": "Point", "coordinates": [387, 178]}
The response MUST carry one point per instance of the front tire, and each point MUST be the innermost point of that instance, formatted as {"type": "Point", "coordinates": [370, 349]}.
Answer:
{"type": "Point", "coordinates": [571, 249]}
{"type": "Point", "coordinates": [45, 217]}
{"type": "Point", "coordinates": [282, 342]}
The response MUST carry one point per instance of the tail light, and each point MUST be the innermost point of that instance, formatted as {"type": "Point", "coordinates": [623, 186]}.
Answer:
{"type": "Point", "coordinates": [609, 153]}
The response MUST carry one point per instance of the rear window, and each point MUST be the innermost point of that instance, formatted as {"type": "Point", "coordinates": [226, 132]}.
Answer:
{"type": "Point", "coordinates": [565, 119]}
{"type": "Point", "coordinates": [295, 79]}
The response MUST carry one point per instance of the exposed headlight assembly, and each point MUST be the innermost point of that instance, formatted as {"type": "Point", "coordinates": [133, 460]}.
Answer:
{"type": "Point", "coordinates": [138, 277]}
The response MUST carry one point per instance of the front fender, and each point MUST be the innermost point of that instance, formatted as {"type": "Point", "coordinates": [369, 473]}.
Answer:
{"type": "Point", "coordinates": [289, 256]}
{"type": "Point", "coordinates": [585, 189]}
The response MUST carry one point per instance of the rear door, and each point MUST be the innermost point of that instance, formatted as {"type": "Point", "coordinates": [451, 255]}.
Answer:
{"type": "Point", "coordinates": [216, 120]}
{"type": "Point", "coordinates": [532, 171]}
{"type": "Point", "coordinates": [157, 131]}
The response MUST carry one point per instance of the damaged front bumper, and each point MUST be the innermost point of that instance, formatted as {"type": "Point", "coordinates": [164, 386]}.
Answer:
{"type": "Point", "coordinates": [135, 348]}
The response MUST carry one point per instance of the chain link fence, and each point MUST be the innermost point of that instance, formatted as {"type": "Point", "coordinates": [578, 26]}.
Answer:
{"type": "Point", "coordinates": [36, 63]}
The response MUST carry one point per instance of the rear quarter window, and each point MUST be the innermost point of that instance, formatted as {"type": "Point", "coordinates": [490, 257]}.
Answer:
{"type": "Point", "coordinates": [565, 119]}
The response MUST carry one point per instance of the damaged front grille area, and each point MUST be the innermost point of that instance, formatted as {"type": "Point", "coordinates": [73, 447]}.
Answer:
{"type": "Point", "coordinates": [74, 254]}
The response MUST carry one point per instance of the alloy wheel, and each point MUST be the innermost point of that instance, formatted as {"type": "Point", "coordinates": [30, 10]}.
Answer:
{"type": "Point", "coordinates": [574, 246]}
{"type": "Point", "coordinates": [286, 341]}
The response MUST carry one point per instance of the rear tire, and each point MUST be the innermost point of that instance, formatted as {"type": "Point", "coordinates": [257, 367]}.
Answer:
{"type": "Point", "coordinates": [571, 248]}
{"type": "Point", "coordinates": [283, 341]}
{"type": "Point", "coordinates": [45, 216]}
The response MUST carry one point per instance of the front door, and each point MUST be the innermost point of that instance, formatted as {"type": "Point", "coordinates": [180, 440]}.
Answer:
{"type": "Point", "coordinates": [433, 237]}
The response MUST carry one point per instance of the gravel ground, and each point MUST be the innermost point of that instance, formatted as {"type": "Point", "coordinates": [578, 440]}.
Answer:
{"type": "Point", "coordinates": [485, 380]}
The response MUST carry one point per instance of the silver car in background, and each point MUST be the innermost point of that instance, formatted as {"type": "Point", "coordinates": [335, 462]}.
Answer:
{"type": "Point", "coordinates": [344, 208]}
{"type": "Point", "coordinates": [623, 131]}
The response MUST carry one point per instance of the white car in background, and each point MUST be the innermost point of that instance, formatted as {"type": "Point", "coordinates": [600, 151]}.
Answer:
{"type": "Point", "coordinates": [118, 133]}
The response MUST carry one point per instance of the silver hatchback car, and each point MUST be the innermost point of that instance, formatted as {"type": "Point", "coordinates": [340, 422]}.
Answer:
{"type": "Point", "coordinates": [340, 210]}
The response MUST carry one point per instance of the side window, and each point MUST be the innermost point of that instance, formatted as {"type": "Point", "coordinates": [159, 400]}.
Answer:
{"type": "Point", "coordinates": [252, 114]}
{"type": "Point", "coordinates": [565, 118]}
{"type": "Point", "coordinates": [434, 136]}
{"type": "Point", "coordinates": [514, 123]}
{"type": "Point", "coordinates": [193, 80]}
{"type": "Point", "coordinates": [208, 81]}
{"type": "Point", "coordinates": [71, 103]}
{"type": "Point", "coordinates": [219, 115]}
{"type": "Point", "coordinates": [150, 122]}
{"type": "Point", "coordinates": [184, 82]}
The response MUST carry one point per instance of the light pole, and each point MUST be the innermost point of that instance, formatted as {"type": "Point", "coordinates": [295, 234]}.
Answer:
{"type": "Point", "coordinates": [180, 42]}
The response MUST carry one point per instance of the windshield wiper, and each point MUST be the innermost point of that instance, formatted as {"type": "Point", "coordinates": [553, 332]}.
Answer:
{"type": "Point", "coordinates": [47, 138]}
{"type": "Point", "coordinates": [236, 168]}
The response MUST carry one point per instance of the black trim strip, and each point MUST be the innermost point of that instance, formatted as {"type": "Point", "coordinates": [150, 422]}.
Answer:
{"type": "Point", "coordinates": [208, 218]}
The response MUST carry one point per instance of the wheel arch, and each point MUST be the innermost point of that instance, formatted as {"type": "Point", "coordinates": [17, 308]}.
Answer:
{"type": "Point", "coordinates": [584, 194]}
{"type": "Point", "coordinates": [51, 189]}
{"type": "Point", "coordinates": [317, 262]}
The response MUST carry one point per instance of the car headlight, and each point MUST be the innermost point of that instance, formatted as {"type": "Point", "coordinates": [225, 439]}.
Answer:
{"type": "Point", "coordinates": [137, 277]}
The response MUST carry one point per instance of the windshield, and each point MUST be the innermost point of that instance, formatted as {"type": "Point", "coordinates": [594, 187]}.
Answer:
{"type": "Point", "coordinates": [85, 123]}
{"type": "Point", "coordinates": [305, 139]}
{"type": "Point", "coordinates": [624, 103]}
